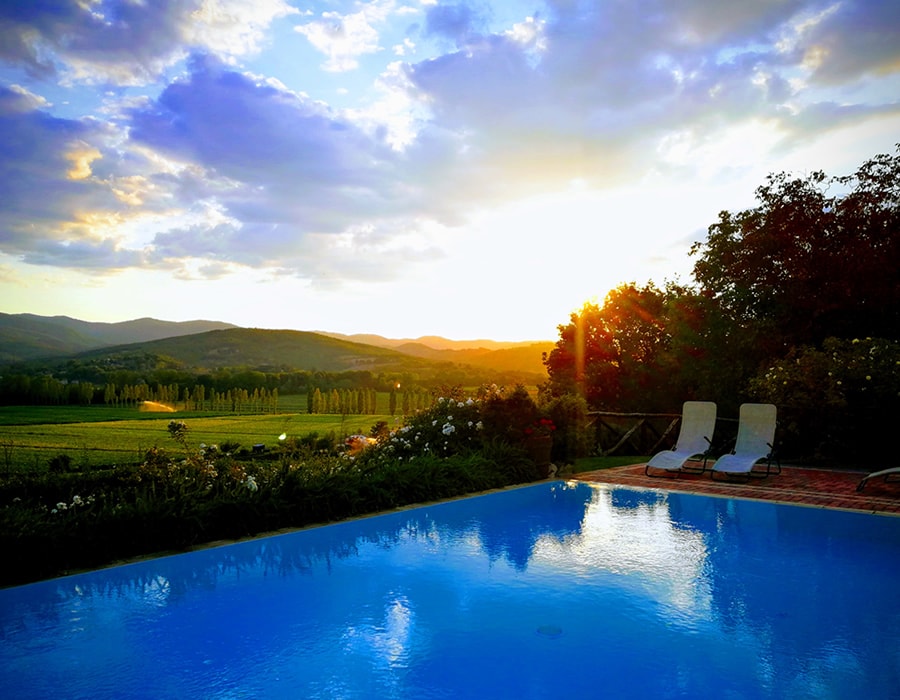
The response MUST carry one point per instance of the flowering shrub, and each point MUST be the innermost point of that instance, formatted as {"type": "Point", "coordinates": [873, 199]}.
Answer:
{"type": "Point", "coordinates": [450, 427]}
{"type": "Point", "coordinates": [66, 520]}
{"type": "Point", "coordinates": [542, 426]}
{"type": "Point", "coordinates": [836, 401]}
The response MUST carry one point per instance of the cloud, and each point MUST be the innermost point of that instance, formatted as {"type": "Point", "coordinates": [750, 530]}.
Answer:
{"type": "Point", "coordinates": [598, 87]}
{"type": "Point", "coordinates": [225, 168]}
{"type": "Point", "coordinates": [269, 155]}
{"type": "Point", "coordinates": [44, 161]}
{"type": "Point", "coordinates": [344, 38]}
{"type": "Point", "coordinates": [128, 43]}
{"type": "Point", "coordinates": [852, 39]}
{"type": "Point", "coordinates": [70, 193]}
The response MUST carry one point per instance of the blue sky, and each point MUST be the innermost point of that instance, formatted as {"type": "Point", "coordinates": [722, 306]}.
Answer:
{"type": "Point", "coordinates": [471, 170]}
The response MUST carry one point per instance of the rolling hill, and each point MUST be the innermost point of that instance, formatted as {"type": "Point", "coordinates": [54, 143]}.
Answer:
{"type": "Point", "coordinates": [261, 349]}
{"type": "Point", "coordinates": [29, 337]}
{"type": "Point", "coordinates": [524, 356]}
{"type": "Point", "coordinates": [29, 340]}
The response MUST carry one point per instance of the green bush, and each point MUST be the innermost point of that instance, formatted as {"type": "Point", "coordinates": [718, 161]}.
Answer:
{"type": "Point", "coordinates": [507, 415]}
{"type": "Point", "coordinates": [57, 521]}
{"type": "Point", "coordinates": [574, 436]}
{"type": "Point", "coordinates": [837, 402]}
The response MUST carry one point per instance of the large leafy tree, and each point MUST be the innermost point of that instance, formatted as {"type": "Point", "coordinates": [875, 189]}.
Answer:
{"type": "Point", "coordinates": [617, 355]}
{"type": "Point", "coordinates": [815, 265]}
{"type": "Point", "coordinates": [818, 257]}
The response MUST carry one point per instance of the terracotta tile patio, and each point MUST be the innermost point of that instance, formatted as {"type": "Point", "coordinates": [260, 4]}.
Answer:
{"type": "Point", "coordinates": [800, 485]}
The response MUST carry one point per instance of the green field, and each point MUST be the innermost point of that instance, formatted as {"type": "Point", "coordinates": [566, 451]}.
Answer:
{"type": "Point", "coordinates": [30, 436]}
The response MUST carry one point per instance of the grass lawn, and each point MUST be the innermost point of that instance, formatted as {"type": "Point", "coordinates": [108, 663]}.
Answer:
{"type": "Point", "coordinates": [94, 442]}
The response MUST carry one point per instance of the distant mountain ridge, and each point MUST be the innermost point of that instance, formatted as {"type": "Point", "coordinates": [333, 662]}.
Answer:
{"type": "Point", "coordinates": [30, 337]}
{"type": "Point", "coordinates": [210, 344]}
{"type": "Point", "coordinates": [433, 342]}
{"type": "Point", "coordinates": [521, 356]}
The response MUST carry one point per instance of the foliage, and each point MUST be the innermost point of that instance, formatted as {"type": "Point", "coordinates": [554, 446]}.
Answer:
{"type": "Point", "coordinates": [574, 435]}
{"type": "Point", "coordinates": [785, 284]}
{"type": "Point", "coordinates": [450, 427]}
{"type": "Point", "coordinates": [200, 369]}
{"type": "Point", "coordinates": [615, 355]}
{"type": "Point", "coordinates": [54, 521]}
{"type": "Point", "coordinates": [836, 401]}
{"type": "Point", "coordinates": [507, 414]}
{"type": "Point", "coordinates": [805, 264]}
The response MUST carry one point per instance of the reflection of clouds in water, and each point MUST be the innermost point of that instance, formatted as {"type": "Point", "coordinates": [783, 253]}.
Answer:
{"type": "Point", "coordinates": [642, 547]}
{"type": "Point", "coordinates": [386, 641]}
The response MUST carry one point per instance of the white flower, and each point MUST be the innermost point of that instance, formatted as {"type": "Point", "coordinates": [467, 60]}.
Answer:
{"type": "Point", "coordinates": [61, 506]}
{"type": "Point", "coordinates": [479, 425]}
{"type": "Point", "coordinates": [250, 482]}
{"type": "Point", "coordinates": [76, 501]}
{"type": "Point", "coordinates": [448, 429]}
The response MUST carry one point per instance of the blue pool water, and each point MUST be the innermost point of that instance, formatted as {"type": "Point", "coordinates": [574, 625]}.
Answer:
{"type": "Point", "coordinates": [549, 591]}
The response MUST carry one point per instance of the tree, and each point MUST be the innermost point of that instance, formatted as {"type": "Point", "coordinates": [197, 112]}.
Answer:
{"type": "Point", "coordinates": [805, 265]}
{"type": "Point", "coordinates": [617, 356]}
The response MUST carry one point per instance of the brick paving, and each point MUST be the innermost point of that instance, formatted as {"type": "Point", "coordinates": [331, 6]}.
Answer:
{"type": "Point", "coordinates": [823, 488]}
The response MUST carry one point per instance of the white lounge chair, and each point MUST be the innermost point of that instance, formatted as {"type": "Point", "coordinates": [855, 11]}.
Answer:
{"type": "Point", "coordinates": [755, 439]}
{"type": "Point", "coordinates": [886, 473]}
{"type": "Point", "coordinates": [698, 422]}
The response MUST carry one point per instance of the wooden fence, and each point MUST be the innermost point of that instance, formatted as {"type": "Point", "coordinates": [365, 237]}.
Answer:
{"type": "Point", "coordinates": [648, 433]}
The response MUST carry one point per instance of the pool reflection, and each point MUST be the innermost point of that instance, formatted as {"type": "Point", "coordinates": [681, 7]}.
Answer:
{"type": "Point", "coordinates": [706, 596]}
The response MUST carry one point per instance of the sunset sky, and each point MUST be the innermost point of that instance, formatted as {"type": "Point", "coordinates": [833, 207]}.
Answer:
{"type": "Point", "coordinates": [408, 167]}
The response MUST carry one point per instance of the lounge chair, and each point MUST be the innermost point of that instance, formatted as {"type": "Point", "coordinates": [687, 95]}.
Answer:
{"type": "Point", "coordinates": [698, 422]}
{"type": "Point", "coordinates": [886, 473]}
{"type": "Point", "coordinates": [756, 435]}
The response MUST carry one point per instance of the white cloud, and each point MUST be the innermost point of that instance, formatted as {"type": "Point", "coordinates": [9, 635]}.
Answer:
{"type": "Point", "coordinates": [130, 43]}
{"type": "Point", "coordinates": [476, 111]}
{"type": "Point", "coordinates": [344, 38]}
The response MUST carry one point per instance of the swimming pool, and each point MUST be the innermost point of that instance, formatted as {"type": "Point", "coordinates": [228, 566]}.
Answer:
{"type": "Point", "coordinates": [551, 590]}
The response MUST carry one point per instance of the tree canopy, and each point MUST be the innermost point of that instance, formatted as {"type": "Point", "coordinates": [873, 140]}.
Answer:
{"type": "Point", "coordinates": [805, 264]}
{"type": "Point", "coordinates": [814, 265]}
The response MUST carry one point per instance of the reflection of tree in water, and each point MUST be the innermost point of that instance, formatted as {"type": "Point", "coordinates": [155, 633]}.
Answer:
{"type": "Point", "coordinates": [507, 527]}
{"type": "Point", "coordinates": [512, 529]}
{"type": "Point", "coordinates": [632, 500]}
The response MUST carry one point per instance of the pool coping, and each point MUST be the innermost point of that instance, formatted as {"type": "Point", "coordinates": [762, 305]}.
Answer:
{"type": "Point", "coordinates": [802, 486]}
